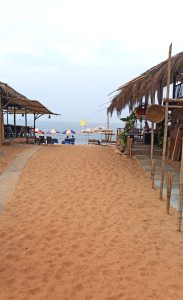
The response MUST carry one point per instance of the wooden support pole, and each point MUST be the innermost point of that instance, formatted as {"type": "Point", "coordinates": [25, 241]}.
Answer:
{"type": "Point", "coordinates": [166, 123]}
{"type": "Point", "coordinates": [152, 132]}
{"type": "Point", "coordinates": [168, 149]}
{"type": "Point", "coordinates": [107, 120]}
{"type": "Point", "coordinates": [129, 146]}
{"type": "Point", "coordinates": [175, 145]}
{"type": "Point", "coordinates": [117, 137]}
{"type": "Point", "coordinates": [174, 85]}
{"type": "Point", "coordinates": [7, 120]}
{"type": "Point", "coordinates": [1, 116]}
{"type": "Point", "coordinates": [152, 139]}
{"type": "Point", "coordinates": [26, 123]}
{"type": "Point", "coordinates": [179, 221]}
{"type": "Point", "coordinates": [153, 170]}
{"type": "Point", "coordinates": [2, 121]}
{"type": "Point", "coordinates": [34, 124]}
{"type": "Point", "coordinates": [169, 182]}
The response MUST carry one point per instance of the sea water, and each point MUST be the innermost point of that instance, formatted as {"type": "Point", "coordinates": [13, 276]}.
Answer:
{"type": "Point", "coordinates": [80, 138]}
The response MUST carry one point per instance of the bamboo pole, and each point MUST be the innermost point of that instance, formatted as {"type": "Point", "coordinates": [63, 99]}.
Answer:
{"type": "Point", "coordinates": [169, 182]}
{"type": "Point", "coordinates": [1, 116]}
{"type": "Point", "coordinates": [176, 139]}
{"type": "Point", "coordinates": [117, 137]}
{"type": "Point", "coordinates": [153, 170]}
{"type": "Point", "coordinates": [129, 146]}
{"type": "Point", "coordinates": [168, 149]}
{"type": "Point", "coordinates": [152, 139]}
{"type": "Point", "coordinates": [2, 120]}
{"type": "Point", "coordinates": [108, 120]}
{"type": "Point", "coordinates": [34, 126]}
{"type": "Point", "coordinates": [152, 133]}
{"type": "Point", "coordinates": [166, 122]}
{"type": "Point", "coordinates": [179, 221]}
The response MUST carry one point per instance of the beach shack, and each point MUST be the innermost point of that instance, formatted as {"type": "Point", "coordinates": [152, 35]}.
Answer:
{"type": "Point", "coordinates": [145, 95]}
{"type": "Point", "coordinates": [14, 103]}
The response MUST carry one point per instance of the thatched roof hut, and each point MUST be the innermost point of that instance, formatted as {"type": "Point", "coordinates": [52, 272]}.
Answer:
{"type": "Point", "coordinates": [148, 85]}
{"type": "Point", "coordinates": [12, 99]}
{"type": "Point", "coordinates": [12, 102]}
{"type": "Point", "coordinates": [25, 106]}
{"type": "Point", "coordinates": [8, 91]}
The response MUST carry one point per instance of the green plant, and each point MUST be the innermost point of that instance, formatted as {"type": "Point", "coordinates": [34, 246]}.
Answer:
{"type": "Point", "coordinates": [130, 121]}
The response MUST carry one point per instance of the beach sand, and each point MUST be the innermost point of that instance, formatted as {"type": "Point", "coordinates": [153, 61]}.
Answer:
{"type": "Point", "coordinates": [84, 223]}
{"type": "Point", "coordinates": [8, 153]}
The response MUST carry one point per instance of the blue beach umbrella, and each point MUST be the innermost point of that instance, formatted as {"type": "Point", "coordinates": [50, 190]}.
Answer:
{"type": "Point", "coordinates": [69, 131]}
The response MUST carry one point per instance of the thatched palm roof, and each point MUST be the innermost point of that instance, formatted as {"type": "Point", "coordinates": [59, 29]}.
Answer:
{"type": "Point", "coordinates": [26, 105]}
{"type": "Point", "coordinates": [8, 91]}
{"type": "Point", "coordinates": [11, 98]}
{"type": "Point", "coordinates": [147, 85]}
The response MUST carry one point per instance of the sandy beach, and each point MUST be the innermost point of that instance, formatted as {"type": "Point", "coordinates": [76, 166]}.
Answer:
{"type": "Point", "coordinates": [8, 153]}
{"type": "Point", "coordinates": [84, 223]}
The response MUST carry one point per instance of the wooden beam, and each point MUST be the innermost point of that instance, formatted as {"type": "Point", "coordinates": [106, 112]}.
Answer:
{"type": "Point", "coordinates": [174, 106]}
{"type": "Point", "coordinates": [173, 99]}
{"type": "Point", "coordinates": [166, 122]}
{"type": "Point", "coordinates": [169, 182]}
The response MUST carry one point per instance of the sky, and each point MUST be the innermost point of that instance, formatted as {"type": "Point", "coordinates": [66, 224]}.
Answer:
{"type": "Point", "coordinates": [70, 55]}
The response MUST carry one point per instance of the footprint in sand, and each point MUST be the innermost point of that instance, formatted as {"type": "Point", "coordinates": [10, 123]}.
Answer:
{"type": "Point", "coordinates": [79, 287]}
{"type": "Point", "coordinates": [34, 291]}
{"type": "Point", "coordinates": [67, 264]}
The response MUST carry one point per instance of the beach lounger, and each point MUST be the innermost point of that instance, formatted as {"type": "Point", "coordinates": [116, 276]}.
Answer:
{"type": "Point", "coordinates": [93, 142]}
{"type": "Point", "coordinates": [69, 141]}
{"type": "Point", "coordinates": [54, 141]}
{"type": "Point", "coordinates": [41, 139]}
{"type": "Point", "coordinates": [49, 140]}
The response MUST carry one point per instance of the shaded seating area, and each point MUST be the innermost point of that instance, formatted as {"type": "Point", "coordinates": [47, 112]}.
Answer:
{"type": "Point", "coordinates": [42, 140]}
{"type": "Point", "coordinates": [12, 104]}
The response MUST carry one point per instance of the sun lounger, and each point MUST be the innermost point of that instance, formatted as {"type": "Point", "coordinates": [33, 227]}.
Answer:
{"type": "Point", "coordinates": [93, 142]}
{"type": "Point", "coordinates": [41, 139]}
{"type": "Point", "coordinates": [70, 141]}
{"type": "Point", "coordinates": [49, 140]}
{"type": "Point", "coordinates": [55, 141]}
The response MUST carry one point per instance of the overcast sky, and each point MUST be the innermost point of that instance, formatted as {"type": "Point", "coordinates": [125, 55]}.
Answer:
{"type": "Point", "coordinates": [71, 54]}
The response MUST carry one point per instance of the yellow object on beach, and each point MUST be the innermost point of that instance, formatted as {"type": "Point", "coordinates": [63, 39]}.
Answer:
{"type": "Point", "coordinates": [83, 122]}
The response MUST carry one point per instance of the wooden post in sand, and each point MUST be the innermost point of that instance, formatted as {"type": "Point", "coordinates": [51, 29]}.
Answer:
{"type": "Point", "coordinates": [169, 181]}
{"type": "Point", "coordinates": [175, 145]}
{"type": "Point", "coordinates": [168, 149]}
{"type": "Point", "coordinates": [166, 122]}
{"type": "Point", "coordinates": [179, 221]}
{"type": "Point", "coordinates": [153, 170]}
{"type": "Point", "coordinates": [129, 146]}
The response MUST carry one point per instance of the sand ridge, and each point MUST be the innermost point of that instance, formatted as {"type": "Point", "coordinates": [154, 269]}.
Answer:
{"type": "Point", "coordinates": [84, 223]}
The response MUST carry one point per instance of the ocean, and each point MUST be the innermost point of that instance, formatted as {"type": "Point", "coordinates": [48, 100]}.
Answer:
{"type": "Point", "coordinates": [80, 138]}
